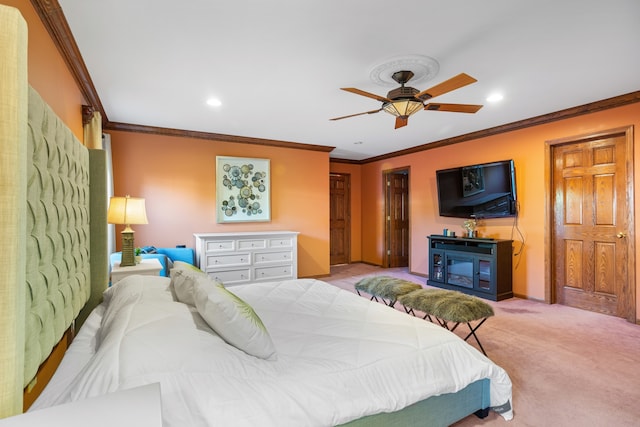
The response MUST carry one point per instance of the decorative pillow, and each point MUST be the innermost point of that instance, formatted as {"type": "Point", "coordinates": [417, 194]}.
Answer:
{"type": "Point", "coordinates": [233, 319]}
{"type": "Point", "coordinates": [183, 281]}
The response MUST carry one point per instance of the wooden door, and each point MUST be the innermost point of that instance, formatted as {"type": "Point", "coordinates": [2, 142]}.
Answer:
{"type": "Point", "coordinates": [397, 218]}
{"type": "Point", "coordinates": [339, 219]}
{"type": "Point", "coordinates": [593, 225]}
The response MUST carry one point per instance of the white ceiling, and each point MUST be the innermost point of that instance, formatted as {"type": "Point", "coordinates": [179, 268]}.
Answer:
{"type": "Point", "coordinates": [277, 65]}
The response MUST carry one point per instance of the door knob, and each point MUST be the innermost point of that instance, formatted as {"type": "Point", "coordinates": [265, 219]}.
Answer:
{"type": "Point", "coordinates": [621, 235]}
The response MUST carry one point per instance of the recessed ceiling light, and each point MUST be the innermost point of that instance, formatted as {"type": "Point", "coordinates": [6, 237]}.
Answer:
{"type": "Point", "coordinates": [494, 97]}
{"type": "Point", "coordinates": [214, 102]}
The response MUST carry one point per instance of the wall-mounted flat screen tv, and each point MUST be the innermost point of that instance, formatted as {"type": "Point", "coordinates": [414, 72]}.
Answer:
{"type": "Point", "coordinates": [485, 190]}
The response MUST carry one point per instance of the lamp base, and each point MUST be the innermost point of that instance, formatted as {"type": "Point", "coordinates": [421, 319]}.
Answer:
{"type": "Point", "coordinates": [128, 258]}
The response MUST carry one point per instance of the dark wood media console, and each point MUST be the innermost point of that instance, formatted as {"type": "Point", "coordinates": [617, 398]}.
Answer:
{"type": "Point", "coordinates": [475, 266]}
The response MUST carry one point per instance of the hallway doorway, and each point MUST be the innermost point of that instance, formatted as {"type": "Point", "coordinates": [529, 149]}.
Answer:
{"type": "Point", "coordinates": [339, 218]}
{"type": "Point", "coordinates": [397, 236]}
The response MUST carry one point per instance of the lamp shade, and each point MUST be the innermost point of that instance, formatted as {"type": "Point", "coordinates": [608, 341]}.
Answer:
{"type": "Point", "coordinates": [403, 107]}
{"type": "Point", "coordinates": [126, 210]}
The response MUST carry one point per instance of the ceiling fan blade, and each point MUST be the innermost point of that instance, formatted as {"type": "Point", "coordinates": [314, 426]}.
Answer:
{"type": "Point", "coordinates": [453, 83]}
{"type": "Point", "coordinates": [367, 94]}
{"type": "Point", "coordinates": [401, 121]}
{"type": "Point", "coordinates": [454, 108]}
{"type": "Point", "coordinates": [357, 114]}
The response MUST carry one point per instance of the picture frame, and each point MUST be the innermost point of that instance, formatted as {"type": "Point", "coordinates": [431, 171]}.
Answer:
{"type": "Point", "coordinates": [243, 189]}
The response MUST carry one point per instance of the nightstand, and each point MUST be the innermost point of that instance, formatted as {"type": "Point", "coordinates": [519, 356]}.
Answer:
{"type": "Point", "coordinates": [146, 267]}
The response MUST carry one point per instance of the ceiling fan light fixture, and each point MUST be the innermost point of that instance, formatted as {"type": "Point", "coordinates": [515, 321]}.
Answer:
{"type": "Point", "coordinates": [404, 101]}
{"type": "Point", "coordinates": [403, 107]}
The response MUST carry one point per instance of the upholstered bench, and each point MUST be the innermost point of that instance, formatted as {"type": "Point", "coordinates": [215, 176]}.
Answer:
{"type": "Point", "coordinates": [385, 287]}
{"type": "Point", "coordinates": [448, 307]}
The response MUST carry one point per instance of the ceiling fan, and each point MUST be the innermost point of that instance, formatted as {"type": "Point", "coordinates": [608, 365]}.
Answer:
{"type": "Point", "coordinates": [404, 101]}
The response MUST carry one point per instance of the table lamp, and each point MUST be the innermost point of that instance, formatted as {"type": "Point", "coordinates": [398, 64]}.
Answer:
{"type": "Point", "coordinates": [126, 211]}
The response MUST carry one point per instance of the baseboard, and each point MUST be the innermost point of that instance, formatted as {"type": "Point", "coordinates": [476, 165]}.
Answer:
{"type": "Point", "coordinates": [315, 276]}
{"type": "Point", "coordinates": [516, 295]}
{"type": "Point", "coordinates": [368, 263]}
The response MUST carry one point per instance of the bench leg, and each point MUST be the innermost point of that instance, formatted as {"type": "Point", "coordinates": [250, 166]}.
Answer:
{"type": "Point", "coordinates": [445, 324]}
{"type": "Point", "coordinates": [410, 311]}
{"type": "Point", "coordinates": [473, 332]}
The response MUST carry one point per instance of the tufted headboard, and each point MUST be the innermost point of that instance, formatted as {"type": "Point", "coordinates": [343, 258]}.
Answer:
{"type": "Point", "coordinates": [58, 238]}
{"type": "Point", "coordinates": [52, 222]}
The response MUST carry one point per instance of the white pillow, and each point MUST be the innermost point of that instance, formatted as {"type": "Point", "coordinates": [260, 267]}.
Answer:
{"type": "Point", "coordinates": [183, 282]}
{"type": "Point", "coordinates": [233, 319]}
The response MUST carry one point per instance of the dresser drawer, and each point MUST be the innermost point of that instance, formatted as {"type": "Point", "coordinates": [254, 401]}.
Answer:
{"type": "Point", "coordinates": [271, 257]}
{"type": "Point", "coordinates": [220, 246]}
{"type": "Point", "coordinates": [214, 261]}
{"type": "Point", "coordinates": [281, 242]}
{"type": "Point", "coordinates": [252, 244]}
{"type": "Point", "coordinates": [231, 277]}
{"type": "Point", "coordinates": [273, 273]}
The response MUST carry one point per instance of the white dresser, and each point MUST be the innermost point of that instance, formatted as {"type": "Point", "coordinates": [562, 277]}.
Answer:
{"type": "Point", "coordinates": [244, 257]}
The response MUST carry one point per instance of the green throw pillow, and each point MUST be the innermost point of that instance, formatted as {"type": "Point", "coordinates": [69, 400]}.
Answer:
{"type": "Point", "coordinates": [233, 319]}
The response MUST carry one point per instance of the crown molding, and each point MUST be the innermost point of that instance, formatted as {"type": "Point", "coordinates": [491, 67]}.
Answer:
{"type": "Point", "coordinates": [56, 24]}
{"type": "Point", "coordinates": [127, 127]}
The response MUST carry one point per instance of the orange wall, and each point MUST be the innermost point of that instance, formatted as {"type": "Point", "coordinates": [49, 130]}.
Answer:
{"type": "Point", "coordinates": [354, 171]}
{"type": "Point", "coordinates": [527, 148]}
{"type": "Point", "coordinates": [48, 72]}
{"type": "Point", "coordinates": [176, 176]}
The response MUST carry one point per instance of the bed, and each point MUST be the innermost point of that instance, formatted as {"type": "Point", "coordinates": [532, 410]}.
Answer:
{"type": "Point", "coordinates": [333, 351]}
{"type": "Point", "coordinates": [338, 359]}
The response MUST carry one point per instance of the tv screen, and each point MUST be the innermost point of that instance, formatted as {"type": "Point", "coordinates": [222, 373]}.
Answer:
{"type": "Point", "coordinates": [485, 190]}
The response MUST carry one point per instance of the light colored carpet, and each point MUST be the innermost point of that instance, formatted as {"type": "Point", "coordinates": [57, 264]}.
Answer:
{"type": "Point", "coordinates": [569, 367]}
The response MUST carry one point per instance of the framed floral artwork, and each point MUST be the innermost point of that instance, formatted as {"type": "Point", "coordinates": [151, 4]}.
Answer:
{"type": "Point", "coordinates": [243, 189]}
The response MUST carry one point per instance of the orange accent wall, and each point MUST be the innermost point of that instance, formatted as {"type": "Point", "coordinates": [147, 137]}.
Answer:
{"type": "Point", "coordinates": [176, 176]}
{"type": "Point", "coordinates": [48, 72]}
{"type": "Point", "coordinates": [354, 171]}
{"type": "Point", "coordinates": [527, 148]}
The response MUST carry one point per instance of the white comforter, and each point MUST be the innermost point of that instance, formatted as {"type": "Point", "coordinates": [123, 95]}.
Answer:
{"type": "Point", "coordinates": [340, 357]}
